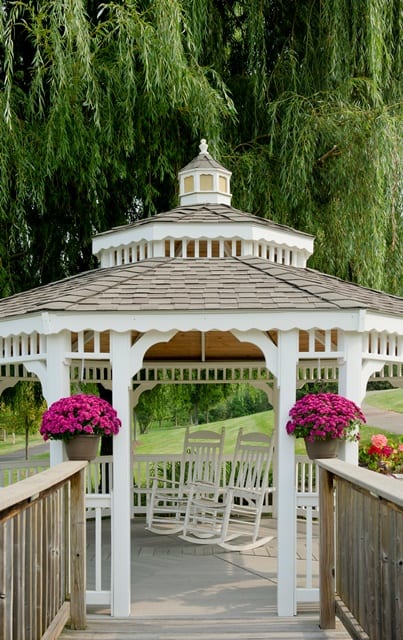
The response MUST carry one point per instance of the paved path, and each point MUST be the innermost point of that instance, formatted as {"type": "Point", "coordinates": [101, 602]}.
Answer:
{"type": "Point", "coordinates": [35, 450]}
{"type": "Point", "coordinates": [389, 420]}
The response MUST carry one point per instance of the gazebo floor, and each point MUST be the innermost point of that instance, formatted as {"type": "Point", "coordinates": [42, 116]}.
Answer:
{"type": "Point", "coordinates": [182, 590]}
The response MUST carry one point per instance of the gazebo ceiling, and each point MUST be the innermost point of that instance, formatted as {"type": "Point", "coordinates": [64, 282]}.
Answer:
{"type": "Point", "coordinates": [203, 347]}
{"type": "Point", "coordinates": [206, 346]}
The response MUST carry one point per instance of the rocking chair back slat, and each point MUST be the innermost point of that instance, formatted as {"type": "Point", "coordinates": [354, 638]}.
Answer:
{"type": "Point", "coordinates": [252, 461]}
{"type": "Point", "coordinates": [201, 462]}
{"type": "Point", "coordinates": [237, 514]}
{"type": "Point", "coordinates": [203, 453]}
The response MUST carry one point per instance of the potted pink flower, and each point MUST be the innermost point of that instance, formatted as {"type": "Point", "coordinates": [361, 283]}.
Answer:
{"type": "Point", "coordinates": [323, 419]}
{"type": "Point", "coordinates": [80, 419]}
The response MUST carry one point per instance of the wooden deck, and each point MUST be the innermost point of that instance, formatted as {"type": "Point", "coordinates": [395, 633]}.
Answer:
{"type": "Point", "coordinates": [300, 628]}
{"type": "Point", "coordinates": [185, 591]}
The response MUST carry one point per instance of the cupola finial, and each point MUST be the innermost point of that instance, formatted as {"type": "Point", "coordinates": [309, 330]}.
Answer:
{"type": "Point", "coordinates": [203, 146]}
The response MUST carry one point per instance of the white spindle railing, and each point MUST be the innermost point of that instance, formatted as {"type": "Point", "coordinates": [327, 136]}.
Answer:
{"type": "Point", "coordinates": [145, 467]}
{"type": "Point", "coordinates": [16, 470]}
{"type": "Point", "coordinates": [307, 500]}
{"type": "Point", "coordinates": [98, 538]}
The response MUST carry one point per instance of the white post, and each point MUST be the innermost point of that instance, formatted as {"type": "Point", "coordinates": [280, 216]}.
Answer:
{"type": "Point", "coordinates": [274, 403]}
{"type": "Point", "coordinates": [57, 384]}
{"type": "Point", "coordinates": [350, 386]}
{"type": "Point", "coordinates": [122, 481]}
{"type": "Point", "coordinates": [286, 499]}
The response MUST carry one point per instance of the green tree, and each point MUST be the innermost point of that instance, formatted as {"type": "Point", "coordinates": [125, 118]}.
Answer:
{"type": "Point", "coordinates": [181, 403]}
{"type": "Point", "coordinates": [26, 402]}
{"type": "Point", "coordinates": [99, 105]}
{"type": "Point", "coordinates": [318, 143]}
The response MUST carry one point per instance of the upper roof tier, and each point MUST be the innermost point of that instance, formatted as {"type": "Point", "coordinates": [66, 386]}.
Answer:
{"type": "Point", "coordinates": [205, 225]}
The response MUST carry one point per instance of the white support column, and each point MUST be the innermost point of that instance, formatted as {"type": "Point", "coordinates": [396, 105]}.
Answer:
{"type": "Point", "coordinates": [57, 383]}
{"type": "Point", "coordinates": [274, 403]}
{"type": "Point", "coordinates": [286, 505]}
{"type": "Point", "coordinates": [351, 386]}
{"type": "Point", "coordinates": [122, 480]}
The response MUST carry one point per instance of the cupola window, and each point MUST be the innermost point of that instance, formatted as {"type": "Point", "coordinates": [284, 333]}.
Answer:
{"type": "Point", "coordinates": [188, 184]}
{"type": "Point", "coordinates": [223, 184]}
{"type": "Point", "coordinates": [206, 182]}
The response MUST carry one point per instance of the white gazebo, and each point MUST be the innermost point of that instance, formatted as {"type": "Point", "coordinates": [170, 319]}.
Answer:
{"type": "Point", "coordinates": [206, 293]}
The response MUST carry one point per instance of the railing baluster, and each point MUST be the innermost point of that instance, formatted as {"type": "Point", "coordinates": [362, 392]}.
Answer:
{"type": "Point", "coordinates": [34, 549]}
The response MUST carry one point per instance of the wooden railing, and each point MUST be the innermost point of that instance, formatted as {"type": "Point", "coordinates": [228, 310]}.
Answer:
{"type": "Point", "coordinates": [361, 542]}
{"type": "Point", "coordinates": [42, 554]}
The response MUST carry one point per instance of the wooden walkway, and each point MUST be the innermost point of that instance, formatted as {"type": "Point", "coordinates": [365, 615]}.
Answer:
{"type": "Point", "coordinates": [303, 627]}
{"type": "Point", "coordinates": [182, 591]}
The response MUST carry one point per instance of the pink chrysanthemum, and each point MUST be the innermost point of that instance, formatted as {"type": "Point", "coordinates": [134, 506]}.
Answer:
{"type": "Point", "coordinates": [80, 413]}
{"type": "Point", "coordinates": [325, 416]}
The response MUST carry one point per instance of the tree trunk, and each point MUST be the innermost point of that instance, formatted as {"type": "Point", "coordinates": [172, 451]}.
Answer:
{"type": "Point", "coordinates": [26, 443]}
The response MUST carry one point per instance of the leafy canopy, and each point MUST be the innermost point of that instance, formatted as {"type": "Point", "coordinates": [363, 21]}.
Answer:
{"type": "Point", "coordinates": [99, 104]}
{"type": "Point", "coordinates": [102, 103]}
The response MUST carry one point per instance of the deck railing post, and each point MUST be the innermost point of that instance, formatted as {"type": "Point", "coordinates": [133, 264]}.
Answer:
{"type": "Point", "coordinates": [326, 551]}
{"type": "Point", "coordinates": [78, 550]}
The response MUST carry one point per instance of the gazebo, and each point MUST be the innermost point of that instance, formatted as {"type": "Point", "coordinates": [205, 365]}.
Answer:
{"type": "Point", "coordinates": [208, 293]}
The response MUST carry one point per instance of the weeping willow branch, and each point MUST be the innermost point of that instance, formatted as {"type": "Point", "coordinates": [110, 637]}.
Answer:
{"type": "Point", "coordinates": [334, 151]}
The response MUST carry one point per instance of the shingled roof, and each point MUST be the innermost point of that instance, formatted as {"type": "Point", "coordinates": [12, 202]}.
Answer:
{"type": "Point", "coordinates": [169, 284]}
{"type": "Point", "coordinates": [208, 214]}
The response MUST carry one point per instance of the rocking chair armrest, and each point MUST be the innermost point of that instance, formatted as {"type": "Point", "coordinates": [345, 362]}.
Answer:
{"type": "Point", "coordinates": [172, 483]}
{"type": "Point", "coordinates": [203, 491]}
{"type": "Point", "coordinates": [247, 493]}
{"type": "Point", "coordinates": [200, 486]}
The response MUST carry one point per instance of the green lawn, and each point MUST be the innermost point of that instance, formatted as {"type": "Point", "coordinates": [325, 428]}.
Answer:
{"type": "Point", "coordinates": [390, 399]}
{"type": "Point", "coordinates": [171, 440]}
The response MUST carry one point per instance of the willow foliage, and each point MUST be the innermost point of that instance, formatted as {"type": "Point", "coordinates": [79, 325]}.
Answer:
{"type": "Point", "coordinates": [98, 104]}
{"type": "Point", "coordinates": [318, 144]}
{"type": "Point", "coordinates": [102, 103]}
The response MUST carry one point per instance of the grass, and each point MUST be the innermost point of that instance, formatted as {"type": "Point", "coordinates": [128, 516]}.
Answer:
{"type": "Point", "coordinates": [171, 440]}
{"type": "Point", "coordinates": [390, 400]}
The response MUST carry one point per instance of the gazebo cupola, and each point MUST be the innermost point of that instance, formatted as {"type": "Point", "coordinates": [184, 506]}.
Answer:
{"type": "Point", "coordinates": [204, 180]}
{"type": "Point", "coordinates": [204, 225]}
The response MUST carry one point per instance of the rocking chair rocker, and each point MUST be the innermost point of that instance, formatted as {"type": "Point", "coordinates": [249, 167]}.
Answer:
{"type": "Point", "coordinates": [201, 462]}
{"type": "Point", "coordinates": [236, 515]}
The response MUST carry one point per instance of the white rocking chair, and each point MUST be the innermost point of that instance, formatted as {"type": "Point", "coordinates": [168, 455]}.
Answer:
{"type": "Point", "coordinates": [201, 462]}
{"type": "Point", "coordinates": [237, 514]}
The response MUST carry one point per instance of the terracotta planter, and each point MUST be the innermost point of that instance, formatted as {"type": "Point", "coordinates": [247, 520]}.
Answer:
{"type": "Point", "coordinates": [82, 447]}
{"type": "Point", "coordinates": [321, 448]}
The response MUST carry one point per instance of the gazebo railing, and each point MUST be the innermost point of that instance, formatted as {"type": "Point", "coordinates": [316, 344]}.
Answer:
{"type": "Point", "coordinates": [361, 562]}
{"type": "Point", "coordinates": [98, 484]}
{"type": "Point", "coordinates": [42, 554]}
{"type": "Point", "coordinates": [17, 470]}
